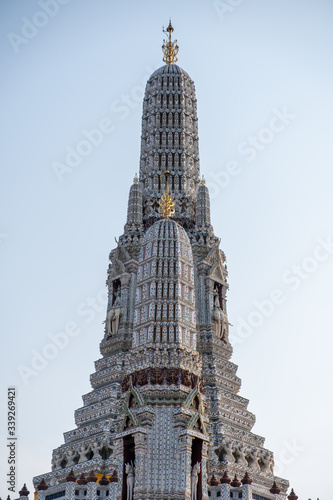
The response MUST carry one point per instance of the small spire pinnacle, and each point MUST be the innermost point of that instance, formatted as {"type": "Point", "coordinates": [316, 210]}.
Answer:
{"type": "Point", "coordinates": [274, 489]}
{"type": "Point", "coordinates": [136, 179]}
{"type": "Point", "coordinates": [167, 202]}
{"type": "Point", "coordinates": [203, 181]}
{"type": "Point", "coordinates": [24, 492]}
{"type": "Point", "coordinates": [114, 477]}
{"type": "Point", "coordinates": [169, 47]}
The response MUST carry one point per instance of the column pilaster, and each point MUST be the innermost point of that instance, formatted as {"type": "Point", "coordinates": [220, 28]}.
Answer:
{"type": "Point", "coordinates": [225, 491]}
{"type": "Point", "coordinates": [70, 491]}
{"type": "Point", "coordinates": [204, 461]}
{"type": "Point", "coordinates": [186, 453]}
{"type": "Point", "coordinates": [119, 456]}
{"type": "Point", "coordinates": [141, 458]}
{"type": "Point", "coordinates": [92, 491]}
{"type": "Point", "coordinates": [247, 492]}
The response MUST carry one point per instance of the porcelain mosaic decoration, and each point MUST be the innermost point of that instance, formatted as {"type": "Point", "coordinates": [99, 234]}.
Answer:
{"type": "Point", "coordinates": [164, 420]}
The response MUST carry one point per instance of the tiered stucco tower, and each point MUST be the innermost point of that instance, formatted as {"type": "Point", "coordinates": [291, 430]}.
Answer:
{"type": "Point", "coordinates": [164, 420]}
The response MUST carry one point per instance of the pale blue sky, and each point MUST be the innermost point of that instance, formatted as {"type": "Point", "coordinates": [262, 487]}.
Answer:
{"type": "Point", "coordinates": [257, 60]}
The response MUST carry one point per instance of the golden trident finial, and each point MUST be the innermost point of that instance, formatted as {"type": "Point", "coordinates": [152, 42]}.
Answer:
{"type": "Point", "coordinates": [167, 202]}
{"type": "Point", "coordinates": [170, 49]}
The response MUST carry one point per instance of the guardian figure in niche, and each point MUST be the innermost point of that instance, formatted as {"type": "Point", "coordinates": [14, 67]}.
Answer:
{"type": "Point", "coordinates": [130, 480]}
{"type": "Point", "coordinates": [220, 319]}
{"type": "Point", "coordinates": [113, 316]}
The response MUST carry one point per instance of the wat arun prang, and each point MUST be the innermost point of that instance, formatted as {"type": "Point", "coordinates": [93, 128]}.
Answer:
{"type": "Point", "coordinates": [164, 420]}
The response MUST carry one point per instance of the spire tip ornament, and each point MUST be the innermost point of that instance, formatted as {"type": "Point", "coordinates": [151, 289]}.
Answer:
{"type": "Point", "coordinates": [169, 47]}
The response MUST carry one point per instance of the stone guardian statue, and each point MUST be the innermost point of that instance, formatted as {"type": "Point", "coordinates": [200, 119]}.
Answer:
{"type": "Point", "coordinates": [113, 316]}
{"type": "Point", "coordinates": [130, 480]}
{"type": "Point", "coordinates": [220, 320]}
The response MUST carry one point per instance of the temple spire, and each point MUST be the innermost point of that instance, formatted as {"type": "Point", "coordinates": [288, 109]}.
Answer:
{"type": "Point", "coordinates": [169, 140]}
{"type": "Point", "coordinates": [134, 210]}
{"type": "Point", "coordinates": [169, 47]}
